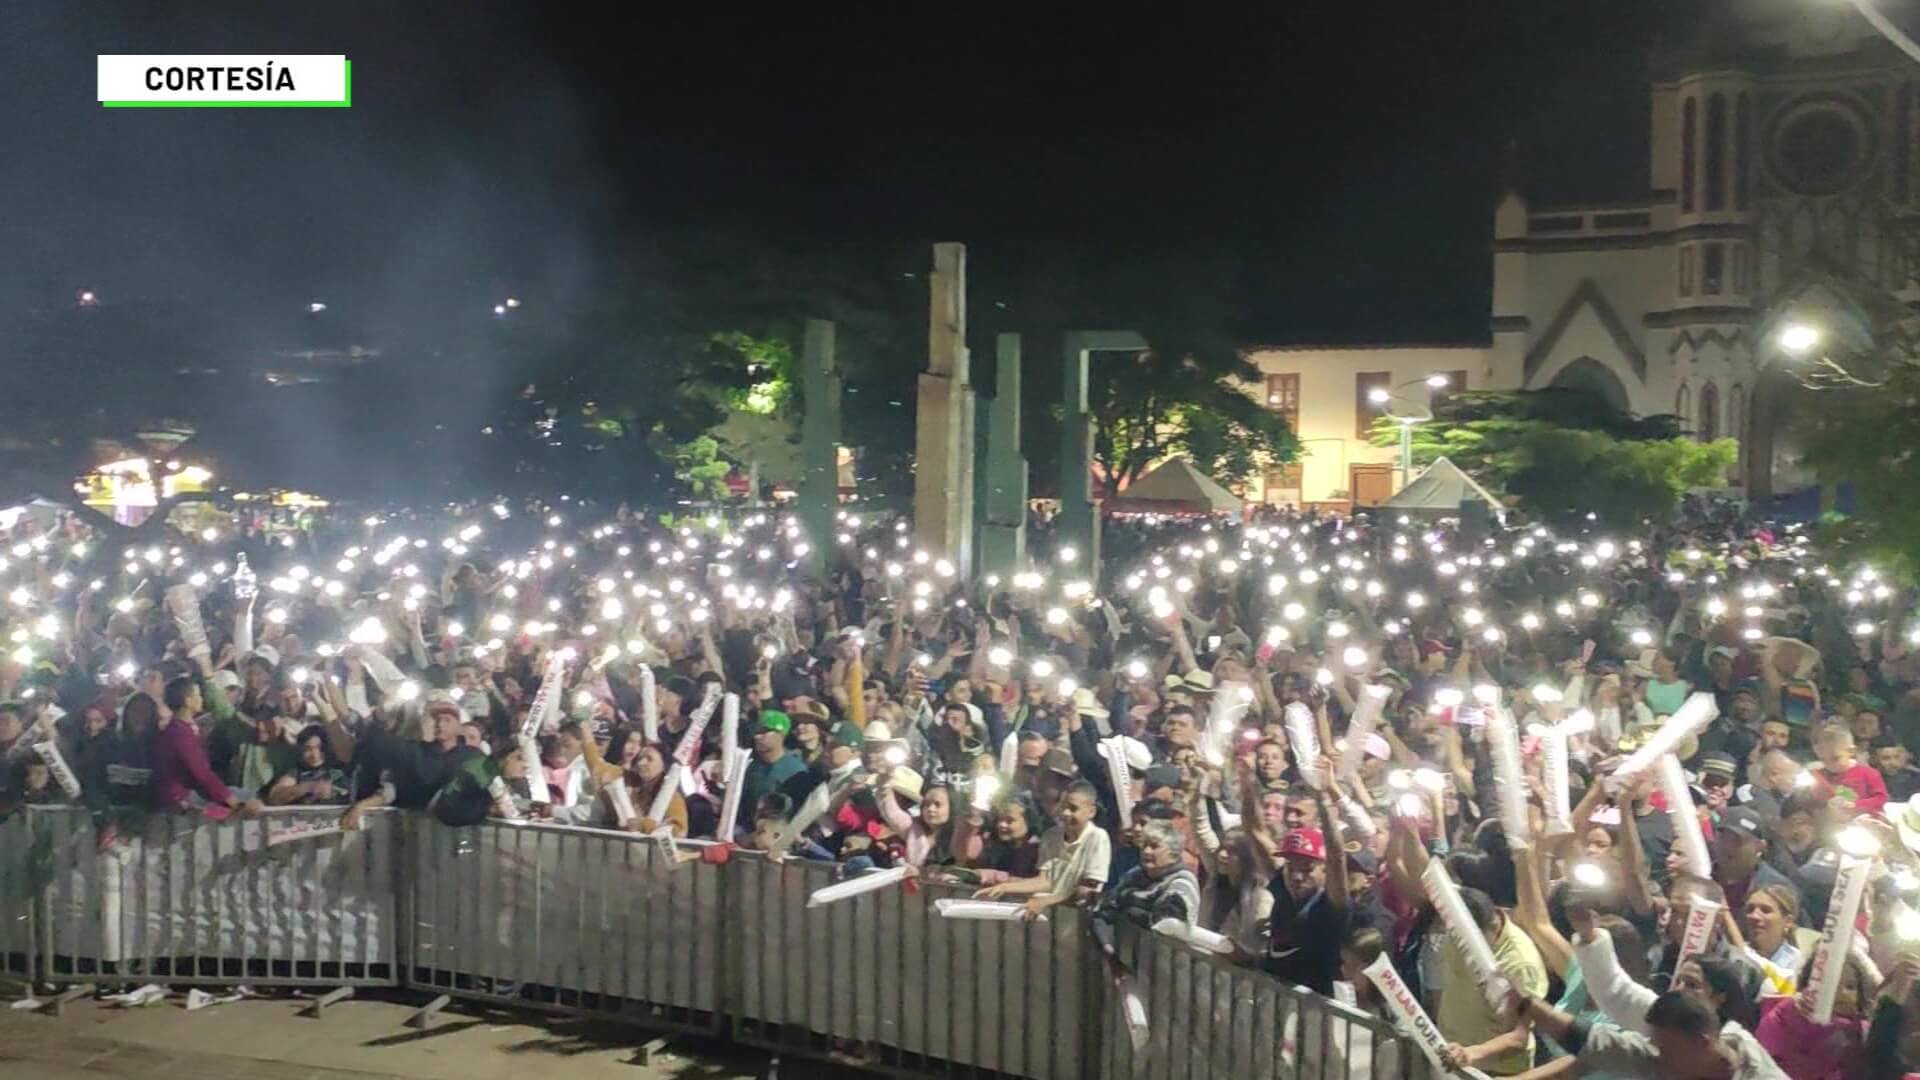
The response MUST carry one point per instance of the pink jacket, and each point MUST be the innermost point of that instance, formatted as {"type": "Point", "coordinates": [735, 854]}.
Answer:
{"type": "Point", "coordinates": [1805, 1050]}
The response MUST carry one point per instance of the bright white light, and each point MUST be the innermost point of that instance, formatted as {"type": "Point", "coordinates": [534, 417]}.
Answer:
{"type": "Point", "coordinates": [1042, 669]}
{"type": "Point", "coordinates": [1797, 338]}
{"type": "Point", "coordinates": [1378, 396]}
{"type": "Point", "coordinates": [1437, 381]}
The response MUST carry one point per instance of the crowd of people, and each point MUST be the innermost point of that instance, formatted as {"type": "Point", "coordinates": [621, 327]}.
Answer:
{"type": "Point", "coordinates": [1308, 741]}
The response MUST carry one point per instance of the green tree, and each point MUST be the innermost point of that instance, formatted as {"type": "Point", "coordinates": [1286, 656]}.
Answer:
{"type": "Point", "coordinates": [1867, 437]}
{"type": "Point", "coordinates": [1565, 453]}
{"type": "Point", "coordinates": [1159, 404]}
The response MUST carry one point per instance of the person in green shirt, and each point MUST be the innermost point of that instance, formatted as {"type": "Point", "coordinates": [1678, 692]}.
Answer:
{"type": "Point", "coordinates": [772, 764]}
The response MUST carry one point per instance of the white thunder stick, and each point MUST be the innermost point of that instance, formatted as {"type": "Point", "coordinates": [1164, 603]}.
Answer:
{"type": "Point", "coordinates": [544, 713]}
{"type": "Point", "coordinates": [1555, 779]}
{"type": "Point", "coordinates": [729, 732]}
{"type": "Point", "coordinates": [1194, 937]}
{"type": "Point", "coordinates": [184, 605]}
{"type": "Point", "coordinates": [687, 751]}
{"type": "Point", "coordinates": [1686, 821]}
{"type": "Point", "coordinates": [1357, 817]}
{"type": "Point", "coordinates": [287, 834]}
{"type": "Point", "coordinates": [1306, 743]}
{"type": "Point", "coordinates": [1466, 933]}
{"type": "Point", "coordinates": [1133, 1009]}
{"type": "Point", "coordinates": [1009, 756]}
{"type": "Point", "coordinates": [1406, 1009]}
{"type": "Point", "coordinates": [663, 799]}
{"type": "Point", "coordinates": [49, 752]}
{"type": "Point", "coordinates": [852, 887]}
{"type": "Point", "coordinates": [1503, 738]}
{"type": "Point", "coordinates": [1365, 716]}
{"type": "Point", "coordinates": [1836, 937]}
{"type": "Point", "coordinates": [649, 706]}
{"type": "Point", "coordinates": [736, 781]}
{"type": "Point", "coordinates": [536, 773]}
{"type": "Point", "coordinates": [1702, 915]}
{"type": "Point", "coordinates": [1693, 714]}
{"type": "Point", "coordinates": [622, 801]}
{"type": "Point", "coordinates": [1120, 775]}
{"type": "Point", "coordinates": [502, 798]}
{"type": "Point", "coordinates": [1221, 720]}
{"type": "Point", "coordinates": [984, 910]}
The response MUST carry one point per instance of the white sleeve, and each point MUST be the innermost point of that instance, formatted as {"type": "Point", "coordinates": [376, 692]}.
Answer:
{"type": "Point", "coordinates": [1624, 1001]}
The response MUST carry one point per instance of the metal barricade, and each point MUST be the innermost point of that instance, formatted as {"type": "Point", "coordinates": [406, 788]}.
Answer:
{"type": "Point", "coordinates": [20, 888]}
{"type": "Point", "coordinates": [187, 900]}
{"type": "Point", "coordinates": [882, 979]}
{"type": "Point", "coordinates": [576, 920]}
{"type": "Point", "coordinates": [1208, 1018]}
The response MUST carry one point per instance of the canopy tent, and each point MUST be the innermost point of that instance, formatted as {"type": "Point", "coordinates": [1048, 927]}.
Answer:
{"type": "Point", "coordinates": [1174, 487]}
{"type": "Point", "coordinates": [1441, 488]}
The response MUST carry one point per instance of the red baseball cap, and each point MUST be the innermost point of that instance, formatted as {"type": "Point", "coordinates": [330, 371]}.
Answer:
{"type": "Point", "coordinates": [1304, 842]}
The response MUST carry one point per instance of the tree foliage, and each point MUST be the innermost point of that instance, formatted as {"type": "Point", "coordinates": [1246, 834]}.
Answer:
{"type": "Point", "coordinates": [1869, 438]}
{"type": "Point", "coordinates": [1158, 404]}
{"type": "Point", "coordinates": [1565, 453]}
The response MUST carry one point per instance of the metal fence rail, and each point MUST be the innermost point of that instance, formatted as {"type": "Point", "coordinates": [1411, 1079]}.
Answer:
{"type": "Point", "coordinates": [1211, 1018]}
{"type": "Point", "coordinates": [576, 920]}
{"type": "Point", "coordinates": [883, 978]}
{"type": "Point", "coordinates": [192, 901]}
{"type": "Point", "coordinates": [605, 924]}
{"type": "Point", "coordinates": [20, 891]}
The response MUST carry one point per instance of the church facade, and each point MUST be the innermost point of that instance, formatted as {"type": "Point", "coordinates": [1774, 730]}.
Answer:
{"type": "Point", "coordinates": [1781, 186]}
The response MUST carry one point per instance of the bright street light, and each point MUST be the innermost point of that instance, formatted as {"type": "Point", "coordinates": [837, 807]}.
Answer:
{"type": "Point", "coordinates": [1798, 338]}
{"type": "Point", "coordinates": [1437, 381]}
{"type": "Point", "coordinates": [1378, 395]}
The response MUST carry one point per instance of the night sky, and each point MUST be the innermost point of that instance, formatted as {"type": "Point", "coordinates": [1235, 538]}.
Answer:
{"type": "Point", "coordinates": [1347, 155]}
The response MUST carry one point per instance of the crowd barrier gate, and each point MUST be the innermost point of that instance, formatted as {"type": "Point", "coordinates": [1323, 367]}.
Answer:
{"type": "Point", "coordinates": [618, 927]}
{"type": "Point", "coordinates": [182, 900]}
{"type": "Point", "coordinates": [568, 919]}
{"type": "Point", "coordinates": [1208, 1017]}
{"type": "Point", "coordinates": [883, 978]}
{"type": "Point", "coordinates": [19, 899]}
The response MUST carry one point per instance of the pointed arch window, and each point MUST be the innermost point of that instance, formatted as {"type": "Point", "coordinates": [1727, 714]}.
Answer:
{"type": "Point", "coordinates": [1687, 126]}
{"type": "Point", "coordinates": [1708, 428]}
{"type": "Point", "coordinates": [1742, 150]}
{"type": "Point", "coordinates": [1716, 153]}
{"type": "Point", "coordinates": [1683, 404]}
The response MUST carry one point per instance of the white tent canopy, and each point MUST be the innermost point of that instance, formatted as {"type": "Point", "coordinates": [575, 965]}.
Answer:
{"type": "Point", "coordinates": [1441, 487]}
{"type": "Point", "coordinates": [1176, 486]}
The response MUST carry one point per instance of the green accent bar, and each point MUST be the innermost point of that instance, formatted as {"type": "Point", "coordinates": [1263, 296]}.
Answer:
{"type": "Point", "coordinates": [346, 103]}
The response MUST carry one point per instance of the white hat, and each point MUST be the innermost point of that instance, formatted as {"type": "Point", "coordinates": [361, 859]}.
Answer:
{"type": "Point", "coordinates": [1906, 819]}
{"type": "Point", "coordinates": [267, 653]}
{"type": "Point", "coordinates": [226, 680]}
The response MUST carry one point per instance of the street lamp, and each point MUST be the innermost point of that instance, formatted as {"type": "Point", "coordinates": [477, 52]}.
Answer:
{"type": "Point", "coordinates": [1382, 397]}
{"type": "Point", "coordinates": [1798, 338]}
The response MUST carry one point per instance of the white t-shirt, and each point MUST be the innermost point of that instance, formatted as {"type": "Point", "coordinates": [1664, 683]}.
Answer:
{"type": "Point", "coordinates": [1065, 864]}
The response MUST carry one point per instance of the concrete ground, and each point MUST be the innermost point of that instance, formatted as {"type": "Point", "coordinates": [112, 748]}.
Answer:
{"type": "Point", "coordinates": [360, 1039]}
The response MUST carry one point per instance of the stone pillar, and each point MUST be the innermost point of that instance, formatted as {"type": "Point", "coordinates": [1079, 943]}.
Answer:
{"type": "Point", "coordinates": [1003, 534]}
{"type": "Point", "coordinates": [943, 419]}
{"type": "Point", "coordinates": [1079, 523]}
{"type": "Point", "coordinates": [819, 442]}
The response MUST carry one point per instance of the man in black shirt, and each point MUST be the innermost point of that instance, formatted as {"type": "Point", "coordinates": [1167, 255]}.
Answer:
{"type": "Point", "coordinates": [1309, 917]}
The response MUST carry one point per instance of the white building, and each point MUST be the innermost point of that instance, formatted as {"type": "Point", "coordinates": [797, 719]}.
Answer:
{"type": "Point", "coordinates": [1781, 158]}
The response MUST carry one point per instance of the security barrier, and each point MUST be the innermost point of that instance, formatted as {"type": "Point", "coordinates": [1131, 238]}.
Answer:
{"type": "Point", "coordinates": [183, 900]}
{"type": "Point", "coordinates": [1207, 1017]}
{"type": "Point", "coordinates": [569, 919]}
{"type": "Point", "coordinates": [19, 898]}
{"type": "Point", "coordinates": [614, 926]}
{"type": "Point", "coordinates": [883, 978]}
